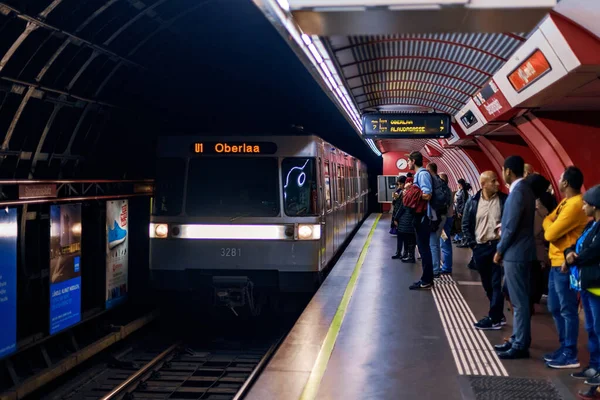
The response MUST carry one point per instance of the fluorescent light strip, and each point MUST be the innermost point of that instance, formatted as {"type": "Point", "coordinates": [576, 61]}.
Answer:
{"type": "Point", "coordinates": [316, 52]}
{"type": "Point", "coordinates": [246, 232]}
{"type": "Point", "coordinates": [235, 232]}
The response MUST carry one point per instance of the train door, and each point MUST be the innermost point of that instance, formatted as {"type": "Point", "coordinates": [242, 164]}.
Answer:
{"type": "Point", "coordinates": [340, 213]}
{"type": "Point", "coordinates": [348, 195]}
{"type": "Point", "coordinates": [328, 215]}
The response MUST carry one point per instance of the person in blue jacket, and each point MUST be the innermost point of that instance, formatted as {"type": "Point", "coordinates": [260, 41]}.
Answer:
{"type": "Point", "coordinates": [583, 262]}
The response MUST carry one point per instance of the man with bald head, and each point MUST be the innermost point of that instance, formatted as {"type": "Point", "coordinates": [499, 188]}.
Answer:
{"type": "Point", "coordinates": [481, 218]}
{"type": "Point", "coordinates": [528, 170]}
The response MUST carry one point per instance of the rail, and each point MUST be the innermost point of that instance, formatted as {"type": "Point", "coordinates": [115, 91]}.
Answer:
{"type": "Point", "coordinates": [137, 375]}
{"type": "Point", "coordinates": [245, 389]}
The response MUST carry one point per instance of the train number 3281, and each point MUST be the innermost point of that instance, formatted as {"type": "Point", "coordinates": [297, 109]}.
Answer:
{"type": "Point", "coordinates": [231, 252]}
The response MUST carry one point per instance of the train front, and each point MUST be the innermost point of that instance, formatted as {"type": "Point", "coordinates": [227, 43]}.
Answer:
{"type": "Point", "coordinates": [235, 221]}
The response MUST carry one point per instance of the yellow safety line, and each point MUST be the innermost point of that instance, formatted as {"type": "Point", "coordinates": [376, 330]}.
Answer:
{"type": "Point", "coordinates": [314, 380]}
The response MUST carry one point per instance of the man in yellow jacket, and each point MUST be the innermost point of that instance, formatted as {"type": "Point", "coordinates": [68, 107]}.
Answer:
{"type": "Point", "coordinates": [562, 228]}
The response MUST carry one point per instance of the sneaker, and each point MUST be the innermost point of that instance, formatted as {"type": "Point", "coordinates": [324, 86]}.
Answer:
{"type": "Point", "coordinates": [586, 373]}
{"type": "Point", "coordinates": [396, 257]}
{"type": "Point", "coordinates": [408, 260]}
{"type": "Point", "coordinates": [503, 321]}
{"type": "Point", "coordinates": [116, 236]}
{"type": "Point", "coordinates": [446, 272]}
{"type": "Point", "coordinates": [486, 324]}
{"type": "Point", "coordinates": [421, 286]}
{"type": "Point", "coordinates": [565, 361]}
{"type": "Point", "coordinates": [553, 356]}
{"type": "Point", "coordinates": [437, 275]}
{"type": "Point", "coordinates": [590, 394]}
{"type": "Point", "coordinates": [593, 381]}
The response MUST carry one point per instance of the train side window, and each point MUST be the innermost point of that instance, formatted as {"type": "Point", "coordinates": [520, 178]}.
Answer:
{"type": "Point", "coordinates": [327, 186]}
{"type": "Point", "coordinates": [299, 186]}
{"type": "Point", "coordinates": [170, 178]}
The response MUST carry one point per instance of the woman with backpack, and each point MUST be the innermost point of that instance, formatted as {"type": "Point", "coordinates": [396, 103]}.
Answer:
{"type": "Point", "coordinates": [404, 220]}
{"type": "Point", "coordinates": [397, 202]}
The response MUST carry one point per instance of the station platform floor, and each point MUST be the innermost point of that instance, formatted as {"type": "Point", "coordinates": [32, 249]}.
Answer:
{"type": "Point", "coordinates": [365, 335]}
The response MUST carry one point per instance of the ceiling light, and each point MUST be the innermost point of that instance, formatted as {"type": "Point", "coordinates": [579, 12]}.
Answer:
{"type": "Point", "coordinates": [284, 5]}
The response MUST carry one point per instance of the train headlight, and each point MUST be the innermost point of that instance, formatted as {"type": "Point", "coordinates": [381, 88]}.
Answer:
{"type": "Point", "coordinates": [161, 230]}
{"type": "Point", "coordinates": [309, 232]}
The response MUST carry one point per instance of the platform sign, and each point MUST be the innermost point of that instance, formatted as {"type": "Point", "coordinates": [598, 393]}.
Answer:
{"type": "Point", "coordinates": [8, 281]}
{"type": "Point", "coordinates": [402, 126]}
{"type": "Point", "coordinates": [117, 248]}
{"type": "Point", "coordinates": [65, 266]}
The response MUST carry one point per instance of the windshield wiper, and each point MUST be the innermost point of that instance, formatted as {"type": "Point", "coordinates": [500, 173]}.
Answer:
{"type": "Point", "coordinates": [247, 214]}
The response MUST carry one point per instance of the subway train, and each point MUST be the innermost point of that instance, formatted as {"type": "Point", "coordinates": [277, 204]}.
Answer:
{"type": "Point", "coordinates": [240, 219]}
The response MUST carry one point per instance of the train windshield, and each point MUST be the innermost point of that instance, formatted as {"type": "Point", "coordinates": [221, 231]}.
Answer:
{"type": "Point", "coordinates": [299, 186]}
{"type": "Point", "coordinates": [168, 196]}
{"type": "Point", "coordinates": [233, 187]}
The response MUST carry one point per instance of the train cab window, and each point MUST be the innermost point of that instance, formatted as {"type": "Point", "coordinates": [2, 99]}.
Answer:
{"type": "Point", "coordinates": [299, 186]}
{"type": "Point", "coordinates": [327, 186]}
{"type": "Point", "coordinates": [170, 177]}
{"type": "Point", "coordinates": [233, 187]}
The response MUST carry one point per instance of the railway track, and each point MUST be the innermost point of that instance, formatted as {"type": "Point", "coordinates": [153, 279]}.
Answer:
{"type": "Point", "coordinates": [218, 371]}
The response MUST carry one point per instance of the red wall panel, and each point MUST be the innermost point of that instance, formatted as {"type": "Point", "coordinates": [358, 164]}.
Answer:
{"type": "Point", "coordinates": [578, 133]}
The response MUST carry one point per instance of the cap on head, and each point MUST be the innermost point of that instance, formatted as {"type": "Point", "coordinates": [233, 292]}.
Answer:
{"type": "Point", "coordinates": [592, 196]}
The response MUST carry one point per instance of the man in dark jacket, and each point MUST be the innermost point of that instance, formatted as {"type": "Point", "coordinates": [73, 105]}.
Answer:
{"type": "Point", "coordinates": [517, 250]}
{"type": "Point", "coordinates": [481, 218]}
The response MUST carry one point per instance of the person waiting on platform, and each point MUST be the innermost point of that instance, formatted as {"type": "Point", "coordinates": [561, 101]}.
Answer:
{"type": "Point", "coordinates": [481, 219]}
{"type": "Point", "coordinates": [562, 227]}
{"type": "Point", "coordinates": [404, 223]}
{"type": "Point", "coordinates": [544, 204]}
{"type": "Point", "coordinates": [424, 215]}
{"type": "Point", "coordinates": [397, 201]}
{"type": "Point", "coordinates": [442, 201]}
{"type": "Point", "coordinates": [583, 261]}
{"type": "Point", "coordinates": [516, 250]}
{"type": "Point", "coordinates": [446, 242]}
{"type": "Point", "coordinates": [460, 199]}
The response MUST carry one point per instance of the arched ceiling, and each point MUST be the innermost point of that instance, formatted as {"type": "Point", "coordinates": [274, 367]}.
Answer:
{"type": "Point", "coordinates": [87, 85]}
{"type": "Point", "coordinates": [438, 71]}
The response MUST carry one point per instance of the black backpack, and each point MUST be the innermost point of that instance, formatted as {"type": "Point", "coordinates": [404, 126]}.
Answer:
{"type": "Point", "coordinates": [441, 198]}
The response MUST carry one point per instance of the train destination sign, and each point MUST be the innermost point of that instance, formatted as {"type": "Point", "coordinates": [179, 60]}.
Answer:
{"type": "Point", "coordinates": [234, 148]}
{"type": "Point", "coordinates": [399, 126]}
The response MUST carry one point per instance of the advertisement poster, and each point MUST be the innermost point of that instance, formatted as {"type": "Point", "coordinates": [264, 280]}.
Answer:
{"type": "Point", "coordinates": [8, 281]}
{"type": "Point", "coordinates": [117, 241]}
{"type": "Point", "coordinates": [65, 266]}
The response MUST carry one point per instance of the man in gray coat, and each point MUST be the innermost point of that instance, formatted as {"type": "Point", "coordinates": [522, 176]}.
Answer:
{"type": "Point", "coordinates": [516, 250]}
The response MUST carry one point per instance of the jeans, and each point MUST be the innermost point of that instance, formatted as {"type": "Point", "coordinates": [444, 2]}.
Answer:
{"type": "Point", "coordinates": [434, 245]}
{"type": "Point", "coordinates": [591, 308]}
{"type": "Point", "coordinates": [517, 280]}
{"type": "Point", "coordinates": [423, 231]}
{"type": "Point", "coordinates": [447, 246]}
{"type": "Point", "coordinates": [562, 304]}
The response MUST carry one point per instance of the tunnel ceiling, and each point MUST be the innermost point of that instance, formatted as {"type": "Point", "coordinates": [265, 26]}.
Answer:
{"type": "Point", "coordinates": [436, 71]}
{"type": "Point", "coordinates": [87, 85]}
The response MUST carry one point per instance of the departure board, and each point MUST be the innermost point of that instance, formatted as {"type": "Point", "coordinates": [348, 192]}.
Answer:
{"type": "Point", "coordinates": [402, 126]}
